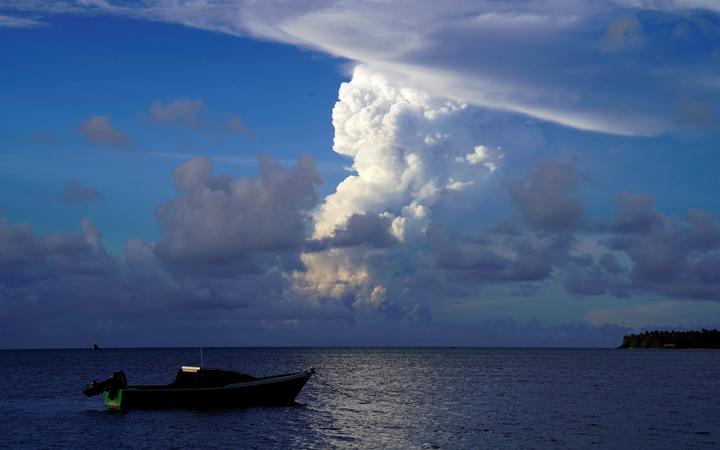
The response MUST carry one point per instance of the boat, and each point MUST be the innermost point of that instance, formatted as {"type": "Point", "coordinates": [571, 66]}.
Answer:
{"type": "Point", "coordinates": [200, 388]}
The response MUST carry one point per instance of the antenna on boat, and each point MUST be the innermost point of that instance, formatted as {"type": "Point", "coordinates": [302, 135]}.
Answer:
{"type": "Point", "coordinates": [201, 358]}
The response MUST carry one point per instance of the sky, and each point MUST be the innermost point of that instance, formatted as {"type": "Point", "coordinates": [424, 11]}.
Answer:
{"type": "Point", "coordinates": [486, 173]}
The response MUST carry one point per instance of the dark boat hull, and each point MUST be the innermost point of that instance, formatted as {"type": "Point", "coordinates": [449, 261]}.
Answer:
{"type": "Point", "coordinates": [277, 390]}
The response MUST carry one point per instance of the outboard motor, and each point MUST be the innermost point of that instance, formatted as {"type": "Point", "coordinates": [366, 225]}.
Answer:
{"type": "Point", "coordinates": [117, 381]}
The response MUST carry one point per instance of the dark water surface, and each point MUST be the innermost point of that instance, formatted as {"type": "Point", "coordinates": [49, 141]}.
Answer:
{"type": "Point", "coordinates": [380, 398]}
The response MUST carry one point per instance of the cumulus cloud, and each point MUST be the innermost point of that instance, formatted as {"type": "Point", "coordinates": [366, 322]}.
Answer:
{"type": "Point", "coordinates": [643, 250]}
{"type": "Point", "coordinates": [29, 261]}
{"type": "Point", "coordinates": [225, 249]}
{"type": "Point", "coordinates": [404, 145]}
{"type": "Point", "coordinates": [75, 192]}
{"type": "Point", "coordinates": [411, 152]}
{"type": "Point", "coordinates": [181, 111]}
{"type": "Point", "coordinates": [597, 276]}
{"type": "Point", "coordinates": [240, 249]}
{"type": "Point", "coordinates": [481, 155]}
{"type": "Point", "coordinates": [497, 258]}
{"type": "Point", "coordinates": [73, 291]}
{"type": "Point", "coordinates": [636, 214]}
{"type": "Point", "coordinates": [354, 282]}
{"type": "Point", "coordinates": [98, 130]}
{"type": "Point", "coordinates": [193, 114]}
{"type": "Point", "coordinates": [639, 251]}
{"type": "Point", "coordinates": [419, 122]}
{"type": "Point", "coordinates": [224, 225]}
{"type": "Point", "coordinates": [679, 258]}
{"type": "Point", "coordinates": [545, 199]}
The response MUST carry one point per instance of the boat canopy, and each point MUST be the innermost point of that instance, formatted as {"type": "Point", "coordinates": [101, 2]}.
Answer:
{"type": "Point", "coordinates": [208, 378]}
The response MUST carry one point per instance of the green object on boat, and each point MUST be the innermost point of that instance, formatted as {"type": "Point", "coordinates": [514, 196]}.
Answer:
{"type": "Point", "coordinates": [113, 400]}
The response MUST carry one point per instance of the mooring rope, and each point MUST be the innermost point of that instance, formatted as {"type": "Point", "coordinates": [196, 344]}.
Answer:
{"type": "Point", "coordinates": [339, 391]}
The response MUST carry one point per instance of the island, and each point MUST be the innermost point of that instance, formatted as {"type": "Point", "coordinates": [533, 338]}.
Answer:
{"type": "Point", "coordinates": [673, 339]}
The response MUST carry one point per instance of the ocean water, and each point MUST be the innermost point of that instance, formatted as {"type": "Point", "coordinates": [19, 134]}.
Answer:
{"type": "Point", "coordinates": [380, 398]}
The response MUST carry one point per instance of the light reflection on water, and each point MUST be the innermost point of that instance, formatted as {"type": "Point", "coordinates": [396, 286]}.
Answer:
{"type": "Point", "coordinates": [382, 398]}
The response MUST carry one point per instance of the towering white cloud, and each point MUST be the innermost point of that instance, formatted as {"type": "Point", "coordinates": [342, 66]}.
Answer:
{"type": "Point", "coordinates": [409, 151]}
{"type": "Point", "coordinates": [404, 146]}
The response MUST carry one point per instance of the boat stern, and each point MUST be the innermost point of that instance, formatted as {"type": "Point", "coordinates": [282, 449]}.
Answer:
{"type": "Point", "coordinates": [113, 399]}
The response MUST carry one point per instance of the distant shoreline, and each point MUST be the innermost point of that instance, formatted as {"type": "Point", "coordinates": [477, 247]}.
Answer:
{"type": "Point", "coordinates": [705, 339]}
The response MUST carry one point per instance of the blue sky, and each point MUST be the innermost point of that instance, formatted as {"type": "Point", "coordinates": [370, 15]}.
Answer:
{"type": "Point", "coordinates": [72, 68]}
{"type": "Point", "coordinates": [505, 173]}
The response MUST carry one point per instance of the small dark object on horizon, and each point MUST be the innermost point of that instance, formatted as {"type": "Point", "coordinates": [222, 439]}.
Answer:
{"type": "Point", "coordinates": [95, 347]}
{"type": "Point", "coordinates": [709, 339]}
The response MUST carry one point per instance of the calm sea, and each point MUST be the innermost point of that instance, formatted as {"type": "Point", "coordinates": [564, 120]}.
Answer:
{"type": "Point", "coordinates": [380, 398]}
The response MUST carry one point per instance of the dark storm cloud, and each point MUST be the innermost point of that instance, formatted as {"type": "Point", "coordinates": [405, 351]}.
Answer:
{"type": "Point", "coordinates": [545, 199]}
{"type": "Point", "coordinates": [217, 224]}
{"type": "Point", "coordinates": [75, 192]}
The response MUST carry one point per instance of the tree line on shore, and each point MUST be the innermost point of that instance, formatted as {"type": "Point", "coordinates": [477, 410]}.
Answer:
{"type": "Point", "coordinates": [673, 339]}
